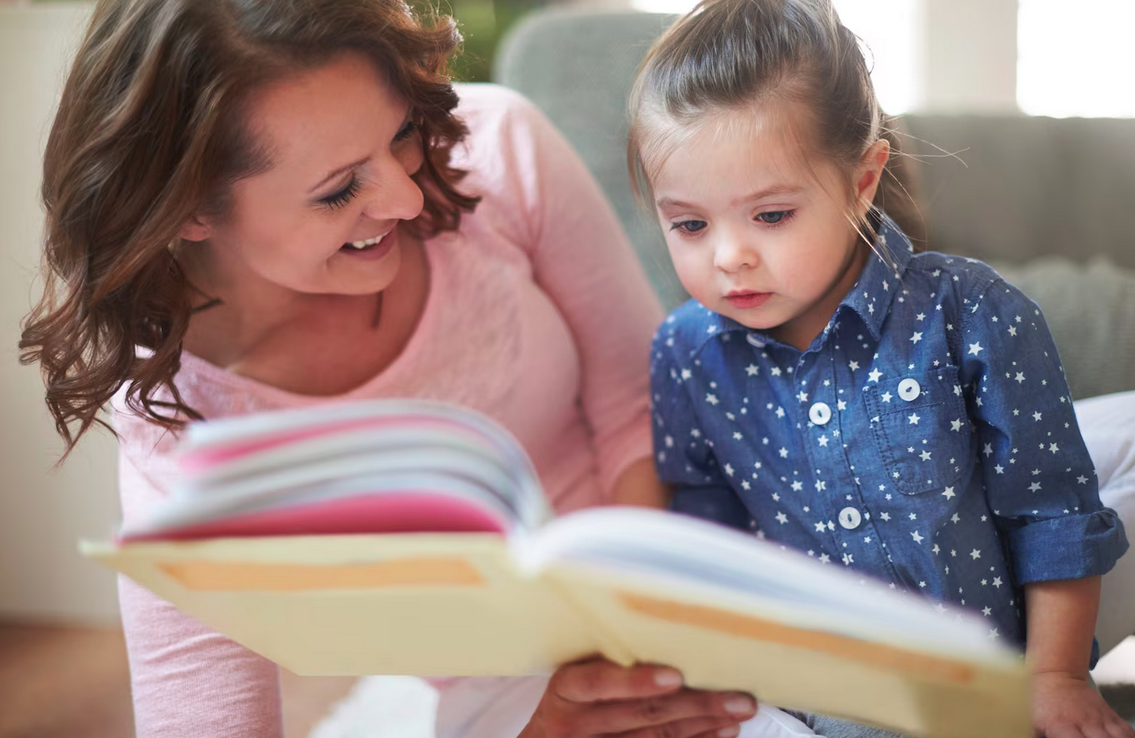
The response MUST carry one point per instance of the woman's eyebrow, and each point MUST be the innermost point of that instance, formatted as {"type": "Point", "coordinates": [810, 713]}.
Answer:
{"type": "Point", "coordinates": [338, 172]}
{"type": "Point", "coordinates": [332, 175]}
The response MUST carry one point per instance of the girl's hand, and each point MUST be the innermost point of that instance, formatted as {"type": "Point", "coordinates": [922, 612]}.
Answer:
{"type": "Point", "coordinates": [1067, 707]}
{"type": "Point", "coordinates": [599, 698]}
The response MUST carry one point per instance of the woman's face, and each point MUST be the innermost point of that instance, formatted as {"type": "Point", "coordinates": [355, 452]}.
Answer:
{"type": "Point", "coordinates": [324, 217]}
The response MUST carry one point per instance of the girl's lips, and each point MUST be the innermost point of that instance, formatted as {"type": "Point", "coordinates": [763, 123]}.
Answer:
{"type": "Point", "coordinates": [746, 300]}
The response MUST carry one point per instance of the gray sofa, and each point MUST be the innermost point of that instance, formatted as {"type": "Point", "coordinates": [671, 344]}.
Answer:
{"type": "Point", "coordinates": [1049, 202]}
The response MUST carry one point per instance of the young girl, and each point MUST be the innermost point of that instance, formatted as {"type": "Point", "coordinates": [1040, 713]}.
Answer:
{"type": "Point", "coordinates": [904, 415]}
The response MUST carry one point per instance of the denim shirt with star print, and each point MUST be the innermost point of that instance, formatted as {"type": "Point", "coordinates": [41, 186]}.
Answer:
{"type": "Point", "coordinates": [926, 437]}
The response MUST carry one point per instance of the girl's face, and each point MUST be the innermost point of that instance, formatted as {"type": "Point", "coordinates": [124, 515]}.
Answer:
{"type": "Point", "coordinates": [342, 149]}
{"type": "Point", "coordinates": [757, 231]}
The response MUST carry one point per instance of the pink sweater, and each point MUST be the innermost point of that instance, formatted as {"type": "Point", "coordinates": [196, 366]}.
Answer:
{"type": "Point", "coordinates": [538, 315]}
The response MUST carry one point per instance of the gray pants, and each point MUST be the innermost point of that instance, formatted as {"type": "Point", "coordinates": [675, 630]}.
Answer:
{"type": "Point", "coordinates": [830, 727]}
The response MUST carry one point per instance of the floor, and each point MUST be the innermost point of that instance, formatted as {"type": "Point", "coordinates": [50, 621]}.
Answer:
{"type": "Point", "coordinates": [58, 682]}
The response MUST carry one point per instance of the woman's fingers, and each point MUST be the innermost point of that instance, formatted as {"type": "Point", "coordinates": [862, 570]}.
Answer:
{"type": "Point", "coordinates": [602, 680]}
{"type": "Point", "coordinates": [626, 716]}
{"type": "Point", "coordinates": [600, 698]}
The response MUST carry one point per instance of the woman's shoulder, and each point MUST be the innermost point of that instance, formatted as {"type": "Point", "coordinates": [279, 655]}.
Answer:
{"type": "Point", "coordinates": [481, 104]}
{"type": "Point", "coordinates": [210, 391]}
{"type": "Point", "coordinates": [508, 134]}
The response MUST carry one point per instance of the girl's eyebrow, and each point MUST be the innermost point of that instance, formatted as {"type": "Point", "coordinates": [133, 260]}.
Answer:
{"type": "Point", "coordinates": [775, 190]}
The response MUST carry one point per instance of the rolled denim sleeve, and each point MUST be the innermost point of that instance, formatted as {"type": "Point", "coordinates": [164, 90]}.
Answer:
{"type": "Point", "coordinates": [1069, 547]}
{"type": "Point", "coordinates": [1039, 479]}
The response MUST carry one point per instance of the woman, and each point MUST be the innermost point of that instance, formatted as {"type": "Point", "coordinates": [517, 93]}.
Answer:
{"type": "Point", "coordinates": [259, 204]}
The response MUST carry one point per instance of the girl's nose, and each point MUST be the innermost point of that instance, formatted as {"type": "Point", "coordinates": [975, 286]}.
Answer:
{"type": "Point", "coordinates": [397, 196]}
{"type": "Point", "coordinates": [732, 254]}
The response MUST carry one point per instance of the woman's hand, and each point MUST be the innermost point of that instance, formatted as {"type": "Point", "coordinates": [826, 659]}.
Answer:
{"type": "Point", "coordinates": [599, 698]}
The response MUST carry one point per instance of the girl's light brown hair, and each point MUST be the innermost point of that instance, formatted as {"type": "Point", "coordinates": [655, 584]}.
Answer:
{"type": "Point", "coordinates": [731, 54]}
{"type": "Point", "coordinates": [150, 131]}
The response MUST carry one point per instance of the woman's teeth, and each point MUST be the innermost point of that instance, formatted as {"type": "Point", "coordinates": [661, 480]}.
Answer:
{"type": "Point", "coordinates": [368, 242]}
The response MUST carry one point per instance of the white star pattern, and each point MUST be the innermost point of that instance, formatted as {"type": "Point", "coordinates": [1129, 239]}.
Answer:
{"type": "Point", "coordinates": [897, 458]}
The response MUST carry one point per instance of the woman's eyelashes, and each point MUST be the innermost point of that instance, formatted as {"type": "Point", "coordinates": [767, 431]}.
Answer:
{"type": "Point", "coordinates": [336, 200]}
{"type": "Point", "coordinates": [406, 131]}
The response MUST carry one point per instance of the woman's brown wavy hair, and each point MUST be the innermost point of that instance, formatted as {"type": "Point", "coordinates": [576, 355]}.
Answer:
{"type": "Point", "coordinates": [150, 132]}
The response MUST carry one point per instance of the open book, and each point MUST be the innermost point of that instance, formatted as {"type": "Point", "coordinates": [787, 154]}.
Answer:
{"type": "Point", "coordinates": [406, 537]}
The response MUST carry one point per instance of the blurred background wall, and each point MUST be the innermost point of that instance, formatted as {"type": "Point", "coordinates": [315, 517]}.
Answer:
{"type": "Point", "coordinates": [947, 56]}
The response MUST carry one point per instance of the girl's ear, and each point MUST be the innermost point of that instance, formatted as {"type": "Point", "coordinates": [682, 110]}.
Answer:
{"type": "Point", "coordinates": [869, 174]}
{"type": "Point", "coordinates": [195, 229]}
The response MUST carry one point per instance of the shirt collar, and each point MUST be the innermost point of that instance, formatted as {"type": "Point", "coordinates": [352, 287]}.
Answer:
{"type": "Point", "coordinates": [870, 298]}
{"type": "Point", "coordinates": [882, 276]}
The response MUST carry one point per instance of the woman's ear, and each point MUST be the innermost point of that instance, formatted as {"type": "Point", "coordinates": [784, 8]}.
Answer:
{"type": "Point", "coordinates": [869, 174]}
{"type": "Point", "coordinates": [195, 229]}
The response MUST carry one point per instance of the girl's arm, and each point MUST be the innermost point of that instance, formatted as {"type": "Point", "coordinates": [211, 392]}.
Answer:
{"type": "Point", "coordinates": [1040, 482]}
{"type": "Point", "coordinates": [1041, 485]}
{"type": "Point", "coordinates": [1061, 621]}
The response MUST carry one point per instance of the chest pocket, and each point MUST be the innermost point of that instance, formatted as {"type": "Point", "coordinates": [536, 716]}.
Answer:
{"type": "Point", "coordinates": [920, 426]}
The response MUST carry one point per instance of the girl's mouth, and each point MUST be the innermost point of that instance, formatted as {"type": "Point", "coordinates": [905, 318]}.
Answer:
{"type": "Point", "coordinates": [747, 300]}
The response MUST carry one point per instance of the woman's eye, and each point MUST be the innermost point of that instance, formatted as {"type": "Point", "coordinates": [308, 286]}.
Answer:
{"type": "Point", "coordinates": [688, 226]}
{"type": "Point", "coordinates": [774, 216]}
{"type": "Point", "coordinates": [338, 199]}
{"type": "Point", "coordinates": [406, 131]}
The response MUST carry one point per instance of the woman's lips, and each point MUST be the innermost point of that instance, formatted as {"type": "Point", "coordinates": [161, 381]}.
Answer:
{"type": "Point", "coordinates": [746, 300]}
{"type": "Point", "coordinates": [374, 248]}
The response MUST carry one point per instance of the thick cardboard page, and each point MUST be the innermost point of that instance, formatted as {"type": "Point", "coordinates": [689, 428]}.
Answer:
{"type": "Point", "coordinates": [420, 604]}
{"type": "Point", "coordinates": [723, 640]}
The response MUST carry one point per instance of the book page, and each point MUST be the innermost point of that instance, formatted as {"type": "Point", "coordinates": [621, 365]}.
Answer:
{"type": "Point", "coordinates": [420, 604]}
{"type": "Point", "coordinates": [734, 612]}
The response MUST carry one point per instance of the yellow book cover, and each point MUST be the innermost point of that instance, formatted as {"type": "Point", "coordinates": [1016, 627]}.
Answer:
{"type": "Point", "coordinates": [404, 537]}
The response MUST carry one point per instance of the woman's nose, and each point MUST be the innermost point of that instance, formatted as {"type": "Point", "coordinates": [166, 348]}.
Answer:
{"type": "Point", "coordinates": [397, 195]}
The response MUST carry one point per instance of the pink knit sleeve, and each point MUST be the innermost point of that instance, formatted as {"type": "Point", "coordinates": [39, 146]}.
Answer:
{"type": "Point", "coordinates": [187, 681]}
{"type": "Point", "coordinates": [582, 259]}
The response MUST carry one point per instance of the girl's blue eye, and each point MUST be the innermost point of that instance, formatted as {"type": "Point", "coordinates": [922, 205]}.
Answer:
{"type": "Point", "coordinates": [773, 216]}
{"type": "Point", "coordinates": [688, 226]}
{"type": "Point", "coordinates": [338, 199]}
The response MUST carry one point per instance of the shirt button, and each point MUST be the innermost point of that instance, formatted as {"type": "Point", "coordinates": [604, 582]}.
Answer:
{"type": "Point", "coordinates": [752, 338]}
{"type": "Point", "coordinates": [850, 518]}
{"type": "Point", "coordinates": [909, 389]}
{"type": "Point", "coordinates": [820, 413]}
